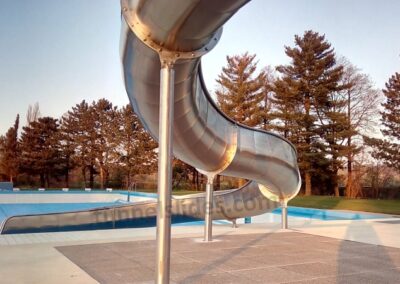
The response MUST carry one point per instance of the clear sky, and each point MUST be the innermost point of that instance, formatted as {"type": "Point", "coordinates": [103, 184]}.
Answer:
{"type": "Point", "coordinates": [59, 52]}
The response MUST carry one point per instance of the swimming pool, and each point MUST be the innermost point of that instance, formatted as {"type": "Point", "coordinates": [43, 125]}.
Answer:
{"type": "Point", "coordinates": [33, 203]}
{"type": "Point", "coordinates": [321, 214]}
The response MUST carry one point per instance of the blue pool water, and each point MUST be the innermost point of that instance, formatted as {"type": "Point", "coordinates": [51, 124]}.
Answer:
{"type": "Point", "coordinates": [7, 210]}
{"type": "Point", "coordinates": [321, 214]}
{"type": "Point", "coordinates": [13, 209]}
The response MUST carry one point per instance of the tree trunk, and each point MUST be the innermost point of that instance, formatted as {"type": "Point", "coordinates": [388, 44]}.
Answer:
{"type": "Point", "coordinates": [48, 180]}
{"type": "Point", "coordinates": [106, 178]}
{"type": "Point", "coordinates": [67, 179]}
{"type": "Point", "coordinates": [67, 167]}
{"type": "Point", "coordinates": [197, 181]}
{"type": "Point", "coordinates": [308, 183]}
{"type": "Point", "coordinates": [128, 179]}
{"type": "Point", "coordinates": [42, 180]}
{"type": "Point", "coordinates": [335, 177]}
{"type": "Point", "coordinates": [91, 176]}
{"type": "Point", "coordinates": [218, 183]}
{"type": "Point", "coordinates": [101, 177]}
{"type": "Point", "coordinates": [193, 177]}
{"type": "Point", "coordinates": [84, 175]}
{"type": "Point", "coordinates": [336, 188]}
{"type": "Point", "coordinates": [349, 184]}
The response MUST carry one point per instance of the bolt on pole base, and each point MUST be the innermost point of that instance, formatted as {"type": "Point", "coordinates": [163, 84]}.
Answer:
{"type": "Point", "coordinates": [165, 172]}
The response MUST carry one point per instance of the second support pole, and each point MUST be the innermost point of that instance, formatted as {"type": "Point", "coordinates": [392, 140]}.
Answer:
{"type": "Point", "coordinates": [208, 209]}
{"type": "Point", "coordinates": [284, 214]}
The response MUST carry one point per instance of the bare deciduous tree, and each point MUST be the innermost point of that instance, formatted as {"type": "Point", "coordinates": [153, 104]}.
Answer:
{"type": "Point", "coordinates": [33, 113]}
{"type": "Point", "coordinates": [363, 101]}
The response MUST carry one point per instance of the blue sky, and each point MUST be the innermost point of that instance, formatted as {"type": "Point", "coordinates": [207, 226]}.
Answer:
{"type": "Point", "coordinates": [58, 52]}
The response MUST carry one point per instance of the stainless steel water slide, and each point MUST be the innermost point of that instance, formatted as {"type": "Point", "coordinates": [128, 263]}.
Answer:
{"type": "Point", "coordinates": [182, 31]}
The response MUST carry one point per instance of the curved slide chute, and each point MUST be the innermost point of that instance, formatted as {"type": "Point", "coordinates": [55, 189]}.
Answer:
{"type": "Point", "coordinates": [203, 136]}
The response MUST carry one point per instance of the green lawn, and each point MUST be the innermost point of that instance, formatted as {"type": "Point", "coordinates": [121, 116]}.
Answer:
{"type": "Point", "coordinates": [328, 202]}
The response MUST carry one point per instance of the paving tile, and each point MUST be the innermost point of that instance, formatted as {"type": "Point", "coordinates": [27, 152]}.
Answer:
{"type": "Point", "coordinates": [176, 259]}
{"type": "Point", "coordinates": [394, 258]}
{"type": "Point", "coordinates": [320, 280]}
{"type": "Point", "coordinates": [80, 252]}
{"type": "Point", "coordinates": [184, 270]}
{"type": "Point", "coordinates": [198, 244]}
{"type": "Point", "coordinates": [269, 275]}
{"type": "Point", "coordinates": [202, 256]}
{"type": "Point", "coordinates": [311, 255]}
{"type": "Point", "coordinates": [213, 279]}
{"type": "Point", "coordinates": [123, 275]}
{"type": "Point", "coordinates": [360, 264]}
{"type": "Point", "coordinates": [384, 277]}
{"type": "Point", "coordinates": [318, 269]}
{"type": "Point", "coordinates": [232, 264]}
{"type": "Point", "coordinates": [110, 264]}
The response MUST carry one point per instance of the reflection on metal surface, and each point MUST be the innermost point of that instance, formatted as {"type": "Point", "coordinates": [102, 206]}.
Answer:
{"type": "Point", "coordinates": [268, 194]}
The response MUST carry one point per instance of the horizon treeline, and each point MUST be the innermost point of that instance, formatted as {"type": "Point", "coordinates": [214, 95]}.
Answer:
{"type": "Point", "coordinates": [322, 104]}
{"type": "Point", "coordinates": [96, 141]}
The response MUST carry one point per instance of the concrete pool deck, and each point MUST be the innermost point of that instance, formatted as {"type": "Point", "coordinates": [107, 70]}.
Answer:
{"type": "Point", "coordinates": [34, 258]}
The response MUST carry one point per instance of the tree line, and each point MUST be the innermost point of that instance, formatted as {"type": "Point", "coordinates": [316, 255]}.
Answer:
{"type": "Point", "coordinates": [96, 140]}
{"type": "Point", "coordinates": [321, 103]}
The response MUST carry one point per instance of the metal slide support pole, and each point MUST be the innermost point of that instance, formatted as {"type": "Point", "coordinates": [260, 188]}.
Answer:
{"type": "Point", "coordinates": [284, 214]}
{"type": "Point", "coordinates": [165, 172]}
{"type": "Point", "coordinates": [208, 208]}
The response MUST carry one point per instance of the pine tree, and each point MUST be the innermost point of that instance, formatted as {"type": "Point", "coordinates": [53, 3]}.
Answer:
{"type": "Point", "coordinates": [79, 126]}
{"type": "Point", "coordinates": [241, 91]}
{"type": "Point", "coordinates": [286, 112]}
{"type": "Point", "coordinates": [10, 155]}
{"type": "Point", "coordinates": [40, 149]}
{"type": "Point", "coordinates": [304, 87]}
{"type": "Point", "coordinates": [90, 130]}
{"type": "Point", "coordinates": [67, 148]}
{"type": "Point", "coordinates": [136, 148]}
{"type": "Point", "coordinates": [267, 103]}
{"type": "Point", "coordinates": [388, 149]}
{"type": "Point", "coordinates": [334, 131]}
{"type": "Point", "coordinates": [391, 113]}
{"type": "Point", "coordinates": [106, 125]}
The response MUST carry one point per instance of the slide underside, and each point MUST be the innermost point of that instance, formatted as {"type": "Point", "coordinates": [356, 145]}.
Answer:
{"type": "Point", "coordinates": [182, 31]}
